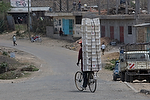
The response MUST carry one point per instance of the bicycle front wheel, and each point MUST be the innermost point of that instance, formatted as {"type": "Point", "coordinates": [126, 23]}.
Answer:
{"type": "Point", "coordinates": [92, 82]}
{"type": "Point", "coordinates": [79, 80]}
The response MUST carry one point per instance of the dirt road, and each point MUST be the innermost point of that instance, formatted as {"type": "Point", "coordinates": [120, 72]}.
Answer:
{"type": "Point", "coordinates": [104, 74]}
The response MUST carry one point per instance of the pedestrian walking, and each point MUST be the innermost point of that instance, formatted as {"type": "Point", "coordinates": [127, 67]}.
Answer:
{"type": "Point", "coordinates": [103, 48]}
{"type": "Point", "coordinates": [14, 40]}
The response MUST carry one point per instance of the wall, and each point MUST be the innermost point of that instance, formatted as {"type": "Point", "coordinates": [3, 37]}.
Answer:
{"type": "Point", "coordinates": [58, 21]}
{"type": "Point", "coordinates": [116, 23]}
{"type": "Point", "coordinates": [49, 31]}
{"type": "Point", "coordinates": [141, 34]}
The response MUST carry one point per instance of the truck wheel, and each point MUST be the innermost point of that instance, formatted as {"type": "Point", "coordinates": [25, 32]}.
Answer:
{"type": "Point", "coordinates": [127, 78]}
{"type": "Point", "coordinates": [131, 79]}
{"type": "Point", "coordinates": [114, 78]}
{"type": "Point", "coordinates": [122, 77]}
{"type": "Point", "coordinates": [148, 79]}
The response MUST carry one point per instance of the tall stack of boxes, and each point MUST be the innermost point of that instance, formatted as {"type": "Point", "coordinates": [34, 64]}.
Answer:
{"type": "Point", "coordinates": [91, 45]}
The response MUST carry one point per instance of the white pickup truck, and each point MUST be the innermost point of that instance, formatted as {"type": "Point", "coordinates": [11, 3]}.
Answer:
{"type": "Point", "coordinates": [135, 62]}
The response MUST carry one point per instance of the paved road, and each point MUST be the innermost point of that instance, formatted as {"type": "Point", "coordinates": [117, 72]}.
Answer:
{"type": "Point", "coordinates": [57, 81]}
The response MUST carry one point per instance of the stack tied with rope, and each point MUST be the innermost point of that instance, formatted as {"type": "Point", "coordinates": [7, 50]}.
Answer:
{"type": "Point", "coordinates": [91, 45]}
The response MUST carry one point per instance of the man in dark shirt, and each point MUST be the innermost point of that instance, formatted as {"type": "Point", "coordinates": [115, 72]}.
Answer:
{"type": "Point", "coordinates": [79, 6]}
{"type": "Point", "coordinates": [80, 56]}
{"type": "Point", "coordinates": [85, 73]}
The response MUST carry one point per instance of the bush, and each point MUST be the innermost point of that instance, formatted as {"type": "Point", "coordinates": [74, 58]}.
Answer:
{"type": "Point", "coordinates": [3, 65]}
{"type": "Point", "coordinates": [5, 53]}
{"type": "Point", "coordinates": [111, 65]}
{"type": "Point", "coordinates": [30, 68]}
{"type": "Point", "coordinates": [11, 75]}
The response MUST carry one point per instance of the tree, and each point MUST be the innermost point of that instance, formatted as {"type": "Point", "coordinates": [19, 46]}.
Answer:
{"type": "Point", "coordinates": [4, 7]}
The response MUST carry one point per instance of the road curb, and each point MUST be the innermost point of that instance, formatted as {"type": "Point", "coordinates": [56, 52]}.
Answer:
{"type": "Point", "coordinates": [131, 87]}
{"type": "Point", "coordinates": [145, 91]}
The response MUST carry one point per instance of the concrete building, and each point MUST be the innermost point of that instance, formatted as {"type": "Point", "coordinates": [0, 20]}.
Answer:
{"type": "Point", "coordinates": [117, 26]}
{"type": "Point", "coordinates": [116, 23]}
{"type": "Point", "coordinates": [144, 29]}
{"type": "Point", "coordinates": [121, 27]}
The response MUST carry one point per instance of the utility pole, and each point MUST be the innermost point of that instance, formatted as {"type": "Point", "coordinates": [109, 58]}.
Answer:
{"type": "Point", "coordinates": [148, 2]}
{"type": "Point", "coordinates": [29, 19]}
{"type": "Point", "coordinates": [99, 6]}
{"type": "Point", "coordinates": [107, 7]}
{"type": "Point", "coordinates": [54, 5]}
{"type": "Point", "coordinates": [60, 6]}
{"type": "Point", "coordinates": [137, 8]}
{"type": "Point", "coordinates": [126, 7]}
{"type": "Point", "coordinates": [67, 5]}
{"type": "Point", "coordinates": [117, 5]}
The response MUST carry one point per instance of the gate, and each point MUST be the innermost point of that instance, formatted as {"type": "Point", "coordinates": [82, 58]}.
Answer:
{"type": "Point", "coordinates": [112, 32]}
{"type": "Point", "coordinates": [68, 26]}
{"type": "Point", "coordinates": [121, 28]}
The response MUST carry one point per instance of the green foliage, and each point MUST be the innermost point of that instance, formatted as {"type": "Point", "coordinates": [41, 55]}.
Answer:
{"type": "Point", "coordinates": [4, 7]}
{"type": "Point", "coordinates": [113, 61]}
{"type": "Point", "coordinates": [11, 75]}
{"type": "Point", "coordinates": [21, 30]}
{"type": "Point", "coordinates": [132, 3]}
{"type": "Point", "coordinates": [19, 27]}
{"type": "Point", "coordinates": [3, 65]}
{"type": "Point", "coordinates": [30, 68]}
{"type": "Point", "coordinates": [5, 53]}
{"type": "Point", "coordinates": [39, 24]}
{"type": "Point", "coordinates": [111, 64]}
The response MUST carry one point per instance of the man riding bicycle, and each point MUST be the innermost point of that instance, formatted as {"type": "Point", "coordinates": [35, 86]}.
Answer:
{"type": "Point", "coordinates": [85, 73]}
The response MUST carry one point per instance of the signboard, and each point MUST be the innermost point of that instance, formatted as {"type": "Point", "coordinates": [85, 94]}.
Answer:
{"type": "Point", "coordinates": [20, 3]}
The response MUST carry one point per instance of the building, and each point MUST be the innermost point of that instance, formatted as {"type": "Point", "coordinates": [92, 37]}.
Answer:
{"type": "Point", "coordinates": [116, 24]}
{"type": "Point", "coordinates": [122, 27]}
{"type": "Point", "coordinates": [144, 29]}
{"type": "Point", "coordinates": [117, 18]}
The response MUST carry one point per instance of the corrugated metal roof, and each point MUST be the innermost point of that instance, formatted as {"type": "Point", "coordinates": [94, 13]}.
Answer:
{"type": "Point", "coordinates": [25, 10]}
{"type": "Point", "coordinates": [142, 25]}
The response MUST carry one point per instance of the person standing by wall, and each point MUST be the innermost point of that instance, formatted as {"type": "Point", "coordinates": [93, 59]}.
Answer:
{"type": "Point", "coordinates": [74, 5]}
{"type": "Point", "coordinates": [61, 32]}
{"type": "Point", "coordinates": [79, 6]}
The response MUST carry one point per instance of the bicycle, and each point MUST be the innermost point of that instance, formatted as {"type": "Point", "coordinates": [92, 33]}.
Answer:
{"type": "Point", "coordinates": [92, 81]}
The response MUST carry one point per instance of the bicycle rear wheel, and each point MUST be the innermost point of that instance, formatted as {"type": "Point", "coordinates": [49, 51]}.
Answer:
{"type": "Point", "coordinates": [92, 82]}
{"type": "Point", "coordinates": [79, 80]}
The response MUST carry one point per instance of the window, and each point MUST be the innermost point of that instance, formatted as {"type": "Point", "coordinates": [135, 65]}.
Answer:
{"type": "Point", "coordinates": [130, 30]}
{"type": "Point", "coordinates": [78, 19]}
{"type": "Point", "coordinates": [59, 22]}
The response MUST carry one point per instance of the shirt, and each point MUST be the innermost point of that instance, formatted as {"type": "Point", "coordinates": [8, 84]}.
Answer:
{"type": "Point", "coordinates": [80, 58]}
{"type": "Point", "coordinates": [103, 46]}
{"type": "Point", "coordinates": [14, 38]}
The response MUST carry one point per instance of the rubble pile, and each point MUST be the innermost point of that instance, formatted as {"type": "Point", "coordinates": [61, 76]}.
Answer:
{"type": "Point", "coordinates": [75, 46]}
{"type": "Point", "coordinates": [122, 10]}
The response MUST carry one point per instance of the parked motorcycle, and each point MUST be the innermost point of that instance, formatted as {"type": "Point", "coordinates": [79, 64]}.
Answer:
{"type": "Point", "coordinates": [36, 38]}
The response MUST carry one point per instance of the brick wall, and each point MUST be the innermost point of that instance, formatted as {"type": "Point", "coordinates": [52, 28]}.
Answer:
{"type": "Point", "coordinates": [141, 31]}
{"type": "Point", "coordinates": [141, 35]}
